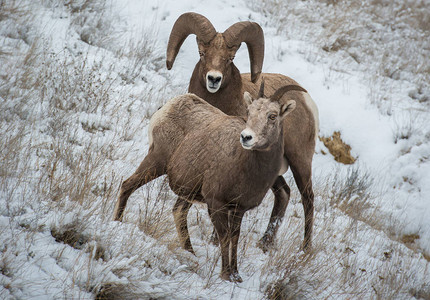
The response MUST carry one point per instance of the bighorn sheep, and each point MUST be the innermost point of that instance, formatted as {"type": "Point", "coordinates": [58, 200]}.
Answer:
{"type": "Point", "coordinates": [211, 157]}
{"type": "Point", "coordinates": [217, 80]}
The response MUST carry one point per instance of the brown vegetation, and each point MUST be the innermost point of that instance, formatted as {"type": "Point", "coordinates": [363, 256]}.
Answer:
{"type": "Point", "coordinates": [338, 148]}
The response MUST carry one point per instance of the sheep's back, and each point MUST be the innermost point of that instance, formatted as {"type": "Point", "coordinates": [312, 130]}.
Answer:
{"type": "Point", "coordinates": [213, 150]}
{"type": "Point", "coordinates": [178, 117]}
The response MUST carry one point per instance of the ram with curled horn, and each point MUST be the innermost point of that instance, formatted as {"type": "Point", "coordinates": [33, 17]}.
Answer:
{"type": "Point", "coordinates": [217, 80]}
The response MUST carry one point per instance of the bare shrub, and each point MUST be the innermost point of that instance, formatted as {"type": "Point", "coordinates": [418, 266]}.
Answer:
{"type": "Point", "coordinates": [12, 9]}
{"type": "Point", "coordinates": [351, 190]}
{"type": "Point", "coordinates": [141, 53]}
{"type": "Point", "coordinates": [410, 124]}
{"type": "Point", "coordinates": [92, 20]}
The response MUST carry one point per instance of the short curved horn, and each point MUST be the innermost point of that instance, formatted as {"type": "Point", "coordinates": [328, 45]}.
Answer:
{"type": "Point", "coordinates": [186, 24]}
{"type": "Point", "coordinates": [252, 34]}
{"type": "Point", "coordinates": [286, 88]}
{"type": "Point", "coordinates": [261, 91]}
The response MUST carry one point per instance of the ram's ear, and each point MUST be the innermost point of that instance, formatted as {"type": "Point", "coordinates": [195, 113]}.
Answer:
{"type": "Point", "coordinates": [248, 98]}
{"type": "Point", "coordinates": [287, 108]}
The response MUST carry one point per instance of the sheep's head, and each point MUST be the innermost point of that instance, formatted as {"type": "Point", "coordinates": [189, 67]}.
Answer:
{"type": "Point", "coordinates": [265, 118]}
{"type": "Point", "coordinates": [215, 60]}
{"type": "Point", "coordinates": [217, 50]}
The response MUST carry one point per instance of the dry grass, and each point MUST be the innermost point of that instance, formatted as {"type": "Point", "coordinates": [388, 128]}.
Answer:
{"type": "Point", "coordinates": [388, 40]}
{"type": "Point", "coordinates": [61, 138]}
{"type": "Point", "coordinates": [63, 144]}
{"type": "Point", "coordinates": [338, 148]}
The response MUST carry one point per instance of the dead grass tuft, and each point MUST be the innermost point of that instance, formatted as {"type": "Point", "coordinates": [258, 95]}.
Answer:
{"type": "Point", "coordinates": [351, 192]}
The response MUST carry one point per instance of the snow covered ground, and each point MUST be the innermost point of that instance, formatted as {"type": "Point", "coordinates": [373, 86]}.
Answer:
{"type": "Point", "coordinates": [79, 81]}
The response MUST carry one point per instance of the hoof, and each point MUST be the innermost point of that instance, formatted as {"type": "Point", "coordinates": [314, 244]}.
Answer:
{"type": "Point", "coordinates": [233, 277]}
{"type": "Point", "coordinates": [266, 243]}
{"type": "Point", "coordinates": [117, 218]}
{"type": "Point", "coordinates": [214, 239]}
{"type": "Point", "coordinates": [191, 251]}
{"type": "Point", "coordinates": [306, 247]}
{"type": "Point", "coordinates": [189, 248]}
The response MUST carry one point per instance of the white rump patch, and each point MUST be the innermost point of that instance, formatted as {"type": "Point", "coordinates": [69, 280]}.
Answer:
{"type": "Point", "coordinates": [284, 167]}
{"type": "Point", "coordinates": [158, 116]}
{"type": "Point", "coordinates": [314, 110]}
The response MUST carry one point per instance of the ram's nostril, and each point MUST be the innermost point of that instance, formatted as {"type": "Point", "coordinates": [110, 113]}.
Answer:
{"type": "Point", "coordinates": [246, 138]}
{"type": "Point", "coordinates": [214, 80]}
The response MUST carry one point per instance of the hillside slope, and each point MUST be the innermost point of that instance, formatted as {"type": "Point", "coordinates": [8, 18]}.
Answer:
{"type": "Point", "coordinates": [78, 84]}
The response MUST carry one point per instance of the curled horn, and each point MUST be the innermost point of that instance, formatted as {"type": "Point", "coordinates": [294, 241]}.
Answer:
{"type": "Point", "coordinates": [281, 91]}
{"type": "Point", "coordinates": [252, 34]}
{"type": "Point", "coordinates": [186, 24]}
{"type": "Point", "coordinates": [261, 91]}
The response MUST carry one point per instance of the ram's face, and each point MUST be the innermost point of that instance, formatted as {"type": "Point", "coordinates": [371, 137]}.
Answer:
{"type": "Point", "coordinates": [216, 62]}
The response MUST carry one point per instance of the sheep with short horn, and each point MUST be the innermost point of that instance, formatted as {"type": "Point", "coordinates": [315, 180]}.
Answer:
{"type": "Point", "coordinates": [217, 80]}
{"type": "Point", "coordinates": [224, 161]}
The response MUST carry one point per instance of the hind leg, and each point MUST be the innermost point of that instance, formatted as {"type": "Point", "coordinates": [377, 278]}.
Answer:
{"type": "Point", "coordinates": [282, 196]}
{"type": "Point", "coordinates": [149, 169]}
{"type": "Point", "coordinates": [180, 213]}
{"type": "Point", "coordinates": [303, 178]}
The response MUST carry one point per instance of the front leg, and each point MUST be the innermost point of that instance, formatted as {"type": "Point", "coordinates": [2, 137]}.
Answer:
{"type": "Point", "coordinates": [235, 220]}
{"type": "Point", "coordinates": [282, 196]}
{"type": "Point", "coordinates": [219, 217]}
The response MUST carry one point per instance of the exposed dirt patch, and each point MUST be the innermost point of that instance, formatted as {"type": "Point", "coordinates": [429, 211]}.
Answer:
{"type": "Point", "coordinates": [113, 291]}
{"type": "Point", "coordinates": [338, 148]}
{"type": "Point", "coordinates": [409, 238]}
{"type": "Point", "coordinates": [409, 241]}
{"type": "Point", "coordinates": [78, 241]}
{"type": "Point", "coordinates": [70, 237]}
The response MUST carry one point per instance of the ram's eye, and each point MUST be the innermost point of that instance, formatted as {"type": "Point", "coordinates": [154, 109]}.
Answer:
{"type": "Point", "coordinates": [273, 117]}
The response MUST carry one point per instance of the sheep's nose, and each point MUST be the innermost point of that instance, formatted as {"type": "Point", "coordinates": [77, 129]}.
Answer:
{"type": "Point", "coordinates": [245, 137]}
{"type": "Point", "coordinates": [214, 79]}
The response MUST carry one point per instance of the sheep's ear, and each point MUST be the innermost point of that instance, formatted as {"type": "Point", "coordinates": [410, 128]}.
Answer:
{"type": "Point", "coordinates": [248, 98]}
{"type": "Point", "coordinates": [288, 107]}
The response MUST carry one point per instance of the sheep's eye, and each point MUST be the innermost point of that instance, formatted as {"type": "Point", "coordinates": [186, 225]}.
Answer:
{"type": "Point", "coordinates": [273, 117]}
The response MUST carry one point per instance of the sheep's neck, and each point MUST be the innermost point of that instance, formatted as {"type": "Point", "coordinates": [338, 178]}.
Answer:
{"type": "Point", "coordinates": [268, 160]}
{"type": "Point", "coordinates": [229, 98]}
{"type": "Point", "coordinates": [259, 170]}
